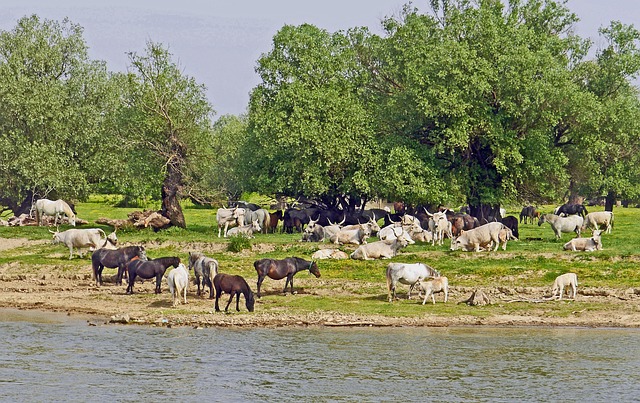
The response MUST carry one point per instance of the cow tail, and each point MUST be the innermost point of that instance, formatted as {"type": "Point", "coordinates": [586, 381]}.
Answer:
{"type": "Point", "coordinates": [612, 219]}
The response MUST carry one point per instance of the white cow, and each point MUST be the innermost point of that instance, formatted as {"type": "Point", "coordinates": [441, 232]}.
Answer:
{"type": "Point", "coordinates": [599, 218]}
{"type": "Point", "coordinates": [329, 254]}
{"type": "Point", "coordinates": [356, 236]}
{"type": "Point", "coordinates": [379, 249]}
{"type": "Point", "coordinates": [565, 280]}
{"type": "Point", "coordinates": [479, 237]}
{"type": "Point", "coordinates": [585, 244]}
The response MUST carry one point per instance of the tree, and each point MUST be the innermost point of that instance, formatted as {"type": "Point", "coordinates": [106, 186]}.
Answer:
{"type": "Point", "coordinates": [606, 151]}
{"type": "Point", "coordinates": [55, 105]}
{"type": "Point", "coordinates": [166, 121]}
{"type": "Point", "coordinates": [310, 133]}
{"type": "Point", "coordinates": [487, 88]}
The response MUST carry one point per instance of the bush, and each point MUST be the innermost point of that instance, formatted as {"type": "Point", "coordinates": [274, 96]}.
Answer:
{"type": "Point", "coordinates": [238, 243]}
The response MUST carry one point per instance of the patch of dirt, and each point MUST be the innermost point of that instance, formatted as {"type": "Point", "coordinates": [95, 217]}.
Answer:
{"type": "Point", "coordinates": [56, 288]}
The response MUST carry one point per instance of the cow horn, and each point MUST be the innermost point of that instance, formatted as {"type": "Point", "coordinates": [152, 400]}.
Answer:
{"type": "Point", "coordinates": [52, 232]}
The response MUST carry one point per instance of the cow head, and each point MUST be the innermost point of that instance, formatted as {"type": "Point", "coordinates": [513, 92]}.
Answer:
{"type": "Point", "coordinates": [56, 238]}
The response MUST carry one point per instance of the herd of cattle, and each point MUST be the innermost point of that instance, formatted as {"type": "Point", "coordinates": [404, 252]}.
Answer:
{"type": "Point", "coordinates": [466, 233]}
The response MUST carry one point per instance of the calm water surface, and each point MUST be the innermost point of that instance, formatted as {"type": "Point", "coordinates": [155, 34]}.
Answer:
{"type": "Point", "coordinates": [50, 358]}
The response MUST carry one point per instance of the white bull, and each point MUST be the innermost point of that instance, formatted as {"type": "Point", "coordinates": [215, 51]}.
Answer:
{"type": "Point", "coordinates": [479, 237]}
{"type": "Point", "coordinates": [379, 249]}
{"type": "Point", "coordinates": [597, 219]}
{"type": "Point", "coordinates": [91, 238]}
{"type": "Point", "coordinates": [357, 236]}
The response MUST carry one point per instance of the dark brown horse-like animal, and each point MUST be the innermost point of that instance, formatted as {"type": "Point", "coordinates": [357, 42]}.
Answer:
{"type": "Point", "coordinates": [148, 269]}
{"type": "Point", "coordinates": [233, 285]}
{"type": "Point", "coordinates": [279, 269]}
{"type": "Point", "coordinates": [112, 258]}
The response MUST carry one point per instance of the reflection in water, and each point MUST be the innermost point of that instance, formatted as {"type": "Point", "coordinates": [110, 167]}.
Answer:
{"type": "Point", "coordinates": [70, 361]}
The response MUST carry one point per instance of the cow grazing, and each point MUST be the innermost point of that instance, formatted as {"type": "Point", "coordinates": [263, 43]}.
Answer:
{"type": "Point", "coordinates": [565, 280]}
{"type": "Point", "coordinates": [178, 281]}
{"type": "Point", "coordinates": [431, 287]}
{"type": "Point", "coordinates": [572, 223]}
{"type": "Point", "coordinates": [91, 238]}
{"type": "Point", "coordinates": [474, 239]}
{"type": "Point", "coordinates": [244, 230]}
{"type": "Point", "coordinates": [598, 219]}
{"type": "Point", "coordinates": [356, 236]}
{"type": "Point", "coordinates": [379, 249]}
{"type": "Point", "coordinates": [585, 244]}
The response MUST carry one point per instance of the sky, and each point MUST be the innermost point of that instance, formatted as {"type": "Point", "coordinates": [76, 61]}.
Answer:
{"type": "Point", "coordinates": [218, 42]}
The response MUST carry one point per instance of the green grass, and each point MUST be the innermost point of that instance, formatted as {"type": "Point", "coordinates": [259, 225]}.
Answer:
{"type": "Point", "coordinates": [534, 261]}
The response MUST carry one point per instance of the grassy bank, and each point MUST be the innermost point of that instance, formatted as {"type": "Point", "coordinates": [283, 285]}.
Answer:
{"type": "Point", "coordinates": [525, 271]}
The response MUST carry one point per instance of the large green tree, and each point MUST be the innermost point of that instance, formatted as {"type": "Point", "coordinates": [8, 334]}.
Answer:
{"type": "Point", "coordinates": [310, 132]}
{"type": "Point", "coordinates": [165, 121]}
{"type": "Point", "coordinates": [55, 104]}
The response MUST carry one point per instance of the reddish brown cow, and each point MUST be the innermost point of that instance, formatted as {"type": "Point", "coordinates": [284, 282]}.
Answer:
{"type": "Point", "coordinates": [462, 222]}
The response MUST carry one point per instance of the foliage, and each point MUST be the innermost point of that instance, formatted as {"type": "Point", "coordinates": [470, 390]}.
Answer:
{"type": "Point", "coordinates": [165, 119]}
{"type": "Point", "coordinates": [56, 103]}
{"type": "Point", "coordinates": [238, 243]}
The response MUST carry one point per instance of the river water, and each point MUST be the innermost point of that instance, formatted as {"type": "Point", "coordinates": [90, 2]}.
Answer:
{"type": "Point", "coordinates": [46, 357]}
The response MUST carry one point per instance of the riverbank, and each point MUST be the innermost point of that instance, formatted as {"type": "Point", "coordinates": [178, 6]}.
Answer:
{"type": "Point", "coordinates": [70, 289]}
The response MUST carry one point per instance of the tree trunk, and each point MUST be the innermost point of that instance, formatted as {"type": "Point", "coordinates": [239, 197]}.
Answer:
{"type": "Point", "coordinates": [170, 201]}
{"type": "Point", "coordinates": [23, 208]}
{"type": "Point", "coordinates": [610, 201]}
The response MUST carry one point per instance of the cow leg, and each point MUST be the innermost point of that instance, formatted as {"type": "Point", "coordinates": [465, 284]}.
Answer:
{"type": "Point", "coordinates": [70, 252]}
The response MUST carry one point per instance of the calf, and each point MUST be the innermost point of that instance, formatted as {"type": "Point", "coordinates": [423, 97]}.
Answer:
{"type": "Point", "coordinates": [564, 280]}
{"type": "Point", "coordinates": [585, 244]}
{"type": "Point", "coordinates": [438, 284]}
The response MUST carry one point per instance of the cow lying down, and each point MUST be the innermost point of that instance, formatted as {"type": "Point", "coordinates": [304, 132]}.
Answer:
{"type": "Point", "coordinates": [329, 254]}
{"type": "Point", "coordinates": [585, 244]}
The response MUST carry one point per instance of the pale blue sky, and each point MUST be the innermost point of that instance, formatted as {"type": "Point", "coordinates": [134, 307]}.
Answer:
{"type": "Point", "coordinates": [218, 41]}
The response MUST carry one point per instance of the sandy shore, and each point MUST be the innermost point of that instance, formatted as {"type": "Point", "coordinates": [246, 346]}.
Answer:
{"type": "Point", "coordinates": [56, 289]}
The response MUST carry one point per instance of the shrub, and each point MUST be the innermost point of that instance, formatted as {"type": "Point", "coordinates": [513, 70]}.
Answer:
{"type": "Point", "coordinates": [238, 243]}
